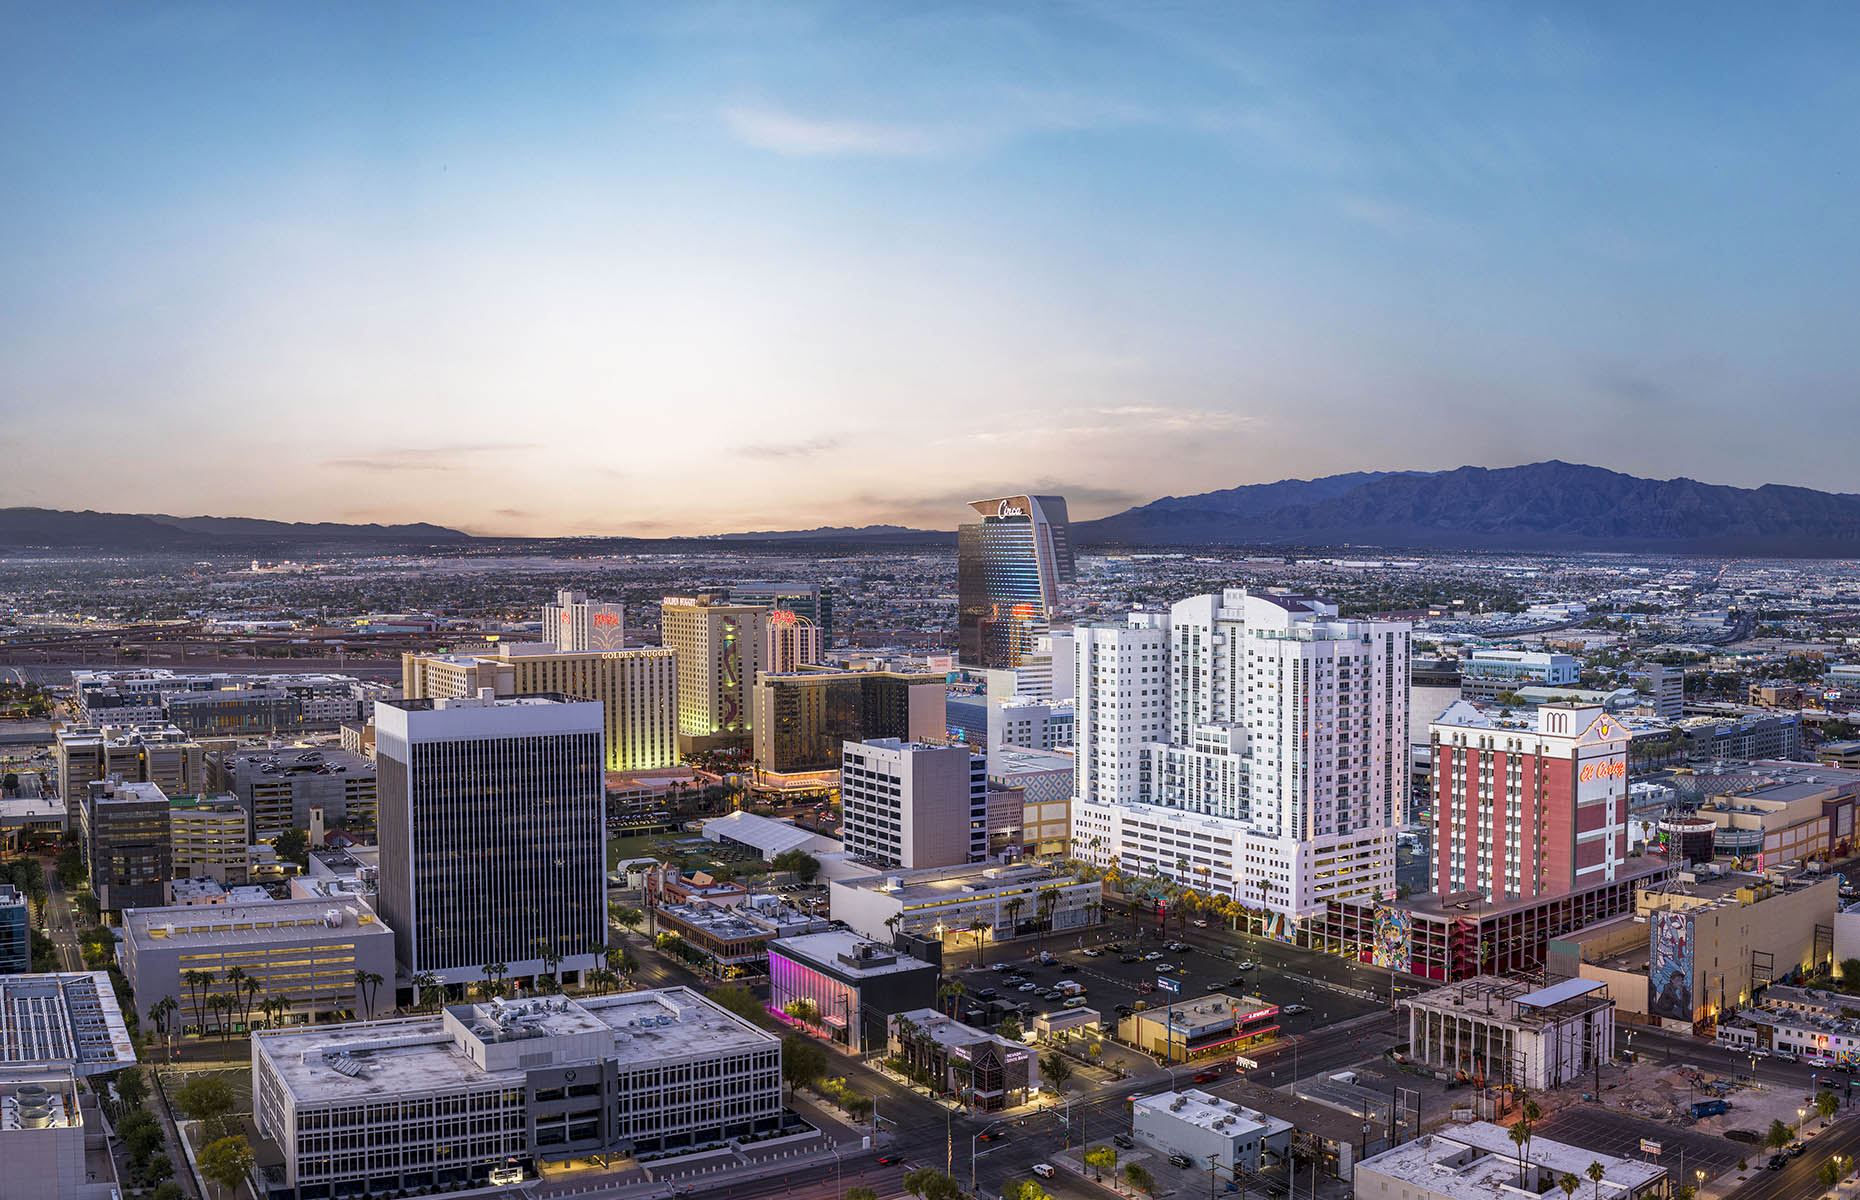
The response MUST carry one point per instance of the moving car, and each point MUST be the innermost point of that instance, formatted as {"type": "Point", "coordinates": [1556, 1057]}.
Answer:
{"type": "Point", "coordinates": [1044, 1170]}
{"type": "Point", "coordinates": [1292, 1010]}
{"type": "Point", "coordinates": [1067, 968]}
{"type": "Point", "coordinates": [1092, 953]}
{"type": "Point", "coordinates": [1796, 1149]}
{"type": "Point", "coordinates": [1129, 958]}
{"type": "Point", "coordinates": [1122, 1141]}
{"type": "Point", "coordinates": [1181, 1160]}
{"type": "Point", "coordinates": [1245, 964]}
{"type": "Point", "coordinates": [1179, 947]}
{"type": "Point", "coordinates": [1206, 1076]}
{"type": "Point", "coordinates": [890, 1160]}
{"type": "Point", "coordinates": [504, 1175]}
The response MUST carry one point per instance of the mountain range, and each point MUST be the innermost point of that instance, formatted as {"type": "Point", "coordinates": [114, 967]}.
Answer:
{"type": "Point", "coordinates": [1540, 506]}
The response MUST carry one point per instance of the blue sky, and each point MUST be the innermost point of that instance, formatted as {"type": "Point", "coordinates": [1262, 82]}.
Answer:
{"type": "Point", "coordinates": [657, 269]}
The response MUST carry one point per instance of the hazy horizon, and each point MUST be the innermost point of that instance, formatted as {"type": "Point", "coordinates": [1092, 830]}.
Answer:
{"type": "Point", "coordinates": [726, 267]}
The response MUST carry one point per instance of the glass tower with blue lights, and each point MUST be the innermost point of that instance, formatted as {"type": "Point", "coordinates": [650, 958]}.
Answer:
{"type": "Point", "coordinates": [1009, 568]}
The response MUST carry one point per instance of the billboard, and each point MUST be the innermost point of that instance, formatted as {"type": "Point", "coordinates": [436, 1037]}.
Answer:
{"type": "Point", "coordinates": [1669, 966]}
{"type": "Point", "coordinates": [1391, 941]}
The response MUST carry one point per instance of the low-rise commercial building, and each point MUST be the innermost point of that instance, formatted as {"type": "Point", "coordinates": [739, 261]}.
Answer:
{"type": "Point", "coordinates": [983, 1069]}
{"type": "Point", "coordinates": [767, 836]}
{"type": "Point", "coordinates": [1486, 674]}
{"type": "Point", "coordinates": [63, 1020]}
{"type": "Point", "coordinates": [1480, 1161]}
{"type": "Point", "coordinates": [845, 987]}
{"type": "Point", "coordinates": [306, 951]}
{"type": "Point", "coordinates": [1201, 1028]}
{"type": "Point", "coordinates": [1505, 1032]}
{"type": "Point", "coordinates": [1044, 778]}
{"type": "Point", "coordinates": [733, 939]}
{"type": "Point", "coordinates": [211, 838]}
{"type": "Point", "coordinates": [968, 905]}
{"type": "Point", "coordinates": [1208, 1129]}
{"type": "Point", "coordinates": [1797, 1021]}
{"type": "Point", "coordinates": [437, 1102]}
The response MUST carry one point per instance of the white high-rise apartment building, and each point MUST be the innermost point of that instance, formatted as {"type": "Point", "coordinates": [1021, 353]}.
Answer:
{"type": "Point", "coordinates": [575, 626]}
{"type": "Point", "coordinates": [1120, 703]}
{"type": "Point", "coordinates": [1274, 772]}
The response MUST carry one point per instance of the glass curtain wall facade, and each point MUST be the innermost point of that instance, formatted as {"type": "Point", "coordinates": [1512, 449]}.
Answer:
{"type": "Point", "coordinates": [1009, 569]}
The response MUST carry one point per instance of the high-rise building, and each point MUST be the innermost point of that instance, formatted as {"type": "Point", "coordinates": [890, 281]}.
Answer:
{"type": "Point", "coordinates": [492, 834]}
{"type": "Point", "coordinates": [210, 838]}
{"type": "Point", "coordinates": [574, 625]}
{"type": "Point", "coordinates": [125, 837]}
{"type": "Point", "coordinates": [1247, 744]}
{"type": "Point", "coordinates": [637, 690]}
{"type": "Point", "coordinates": [802, 719]}
{"type": "Point", "coordinates": [81, 759]}
{"type": "Point", "coordinates": [1009, 568]}
{"type": "Point", "coordinates": [793, 642]}
{"type": "Point", "coordinates": [719, 645]}
{"type": "Point", "coordinates": [1528, 806]}
{"type": "Point", "coordinates": [912, 805]}
{"type": "Point", "coordinates": [1667, 688]}
{"type": "Point", "coordinates": [814, 601]}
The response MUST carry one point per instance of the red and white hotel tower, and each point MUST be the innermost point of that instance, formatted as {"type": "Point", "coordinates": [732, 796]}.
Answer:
{"type": "Point", "coordinates": [1530, 805]}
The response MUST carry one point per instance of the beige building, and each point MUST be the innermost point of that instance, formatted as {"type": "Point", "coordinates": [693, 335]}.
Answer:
{"type": "Point", "coordinates": [720, 648]}
{"type": "Point", "coordinates": [1703, 943]}
{"type": "Point", "coordinates": [157, 754]}
{"type": "Point", "coordinates": [211, 838]}
{"type": "Point", "coordinates": [802, 720]}
{"type": "Point", "coordinates": [793, 642]}
{"type": "Point", "coordinates": [80, 758]}
{"type": "Point", "coordinates": [1796, 815]}
{"type": "Point", "coordinates": [636, 689]}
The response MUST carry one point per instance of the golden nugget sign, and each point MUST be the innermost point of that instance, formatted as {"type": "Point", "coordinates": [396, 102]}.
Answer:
{"type": "Point", "coordinates": [1614, 768]}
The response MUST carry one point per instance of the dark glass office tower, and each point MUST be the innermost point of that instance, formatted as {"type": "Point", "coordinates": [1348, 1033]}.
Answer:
{"type": "Point", "coordinates": [1009, 568]}
{"type": "Point", "coordinates": [491, 831]}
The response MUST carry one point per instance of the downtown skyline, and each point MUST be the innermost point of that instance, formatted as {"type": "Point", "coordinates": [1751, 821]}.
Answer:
{"type": "Point", "coordinates": [728, 267]}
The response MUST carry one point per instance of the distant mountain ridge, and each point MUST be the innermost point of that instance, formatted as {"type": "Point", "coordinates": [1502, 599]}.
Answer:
{"type": "Point", "coordinates": [1541, 506]}
{"type": "Point", "coordinates": [57, 528]}
{"type": "Point", "coordinates": [846, 532]}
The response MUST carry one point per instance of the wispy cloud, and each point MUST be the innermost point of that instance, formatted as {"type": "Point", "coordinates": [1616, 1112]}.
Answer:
{"type": "Point", "coordinates": [805, 449]}
{"type": "Point", "coordinates": [808, 137]}
{"type": "Point", "coordinates": [425, 458]}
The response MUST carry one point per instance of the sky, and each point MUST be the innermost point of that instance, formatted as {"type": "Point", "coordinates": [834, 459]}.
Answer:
{"type": "Point", "coordinates": [659, 269]}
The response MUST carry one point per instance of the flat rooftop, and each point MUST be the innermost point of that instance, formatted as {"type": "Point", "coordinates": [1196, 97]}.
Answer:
{"type": "Point", "coordinates": [1472, 904]}
{"type": "Point", "coordinates": [1016, 760]}
{"type": "Point", "coordinates": [1507, 1001]}
{"type": "Point", "coordinates": [1480, 1160]}
{"type": "Point", "coordinates": [296, 760]}
{"type": "Point", "coordinates": [219, 925]}
{"type": "Point", "coordinates": [848, 953]}
{"type": "Point", "coordinates": [66, 1018]}
{"type": "Point", "coordinates": [947, 1031]}
{"type": "Point", "coordinates": [1208, 1111]}
{"type": "Point", "coordinates": [945, 884]}
{"type": "Point", "coordinates": [347, 1063]}
{"type": "Point", "coordinates": [1716, 890]}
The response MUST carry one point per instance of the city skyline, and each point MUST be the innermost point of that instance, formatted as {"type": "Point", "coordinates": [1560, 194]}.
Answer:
{"type": "Point", "coordinates": [526, 274]}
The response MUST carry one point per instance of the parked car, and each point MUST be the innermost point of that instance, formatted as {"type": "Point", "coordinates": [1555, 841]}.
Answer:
{"type": "Point", "coordinates": [1777, 1162]}
{"type": "Point", "coordinates": [1051, 997]}
{"type": "Point", "coordinates": [1091, 954]}
{"type": "Point", "coordinates": [1152, 956]}
{"type": "Point", "coordinates": [1075, 1002]}
{"type": "Point", "coordinates": [986, 993]}
{"type": "Point", "coordinates": [1122, 1141]}
{"type": "Point", "coordinates": [1796, 1149]}
{"type": "Point", "coordinates": [1292, 1010]}
{"type": "Point", "coordinates": [1044, 1170]}
{"type": "Point", "coordinates": [1245, 964]}
{"type": "Point", "coordinates": [1028, 987]}
{"type": "Point", "coordinates": [1181, 1160]}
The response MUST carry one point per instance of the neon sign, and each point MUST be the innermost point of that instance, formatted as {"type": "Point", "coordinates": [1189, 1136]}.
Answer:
{"type": "Point", "coordinates": [1613, 769]}
{"type": "Point", "coordinates": [601, 618]}
{"type": "Point", "coordinates": [567, 617]}
{"type": "Point", "coordinates": [1004, 509]}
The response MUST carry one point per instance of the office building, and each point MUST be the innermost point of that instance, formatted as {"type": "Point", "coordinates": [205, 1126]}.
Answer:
{"type": "Point", "coordinates": [574, 626]}
{"type": "Point", "coordinates": [159, 754]}
{"type": "Point", "coordinates": [803, 719]}
{"type": "Point", "coordinates": [912, 804]}
{"type": "Point", "coordinates": [279, 786]}
{"type": "Point", "coordinates": [1184, 1030]}
{"type": "Point", "coordinates": [209, 838]}
{"type": "Point", "coordinates": [126, 843]}
{"type": "Point", "coordinates": [719, 644]}
{"type": "Point", "coordinates": [966, 719]}
{"type": "Point", "coordinates": [221, 703]}
{"type": "Point", "coordinates": [1487, 673]}
{"type": "Point", "coordinates": [1045, 673]}
{"type": "Point", "coordinates": [963, 907]}
{"type": "Point", "coordinates": [983, 1070]}
{"type": "Point", "coordinates": [733, 939]}
{"type": "Point", "coordinates": [1746, 736]}
{"type": "Point", "coordinates": [1267, 728]}
{"type": "Point", "coordinates": [1480, 1161]}
{"type": "Point", "coordinates": [492, 834]}
{"type": "Point", "coordinates": [846, 988]}
{"type": "Point", "coordinates": [811, 602]}
{"type": "Point", "coordinates": [637, 690]}
{"type": "Point", "coordinates": [1034, 724]}
{"type": "Point", "coordinates": [1511, 1033]}
{"type": "Point", "coordinates": [1010, 567]}
{"type": "Point", "coordinates": [45, 1123]}
{"type": "Point", "coordinates": [1044, 780]}
{"type": "Point", "coordinates": [80, 760]}
{"type": "Point", "coordinates": [1528, 806]}
{"type": "Point", "coordinates": [439, 1101]}
{"type": "Point", "coordinates": [1771, 813]}
{"type": "Point", "coordinates": [1208, 1129]}
{"type": "Point", "coordinates": [1666, 689]}
{"type": "Point", "coordinates": [793, 642]}
{"type": "Point", "coordinates": [306, 951]}
{"type": "Point", "coordinates": [15, 931]}
{"type": "Point", "coordinates": [62, 1020]}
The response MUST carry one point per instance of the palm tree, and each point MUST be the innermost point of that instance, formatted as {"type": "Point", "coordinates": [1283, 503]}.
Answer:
{"type": "Point", "coordinates": [368, 986]}
{"type": "Point", "coordinates": [423, 983]}
{"type": "Point", "coordinates": [552, 962]}
{"type": "Point", "coordinates": [1569, 1183]}
{"type": "Point", "coordinates": [494, 978]}
{"type": "Point", "coordinates": [1595, 1173]}
{"type": "Point", "coordinates": [1520, 1134]}
{"type": "Point", "coordinates": [603, 979]}
{"type": "Point", "coordinates": [1047, 900]}
{"type": "Point", "coordinates": [629, 967]}
{"type": "Point", "coordinates": [251, 987]}
{"type": "Point", "coordinates": [198, 982]}
{"type": "Point", "coordinates": [223, 1004]}
{"type": "Point", "coordinates": [161, 1012]}
{"type": "Point", "coordinates": [236, 977]}
{"type": "Point", "coordinates": [1013, 908]}
{"type": "Point", "coordinates": [980, 929]}
{"type": "Point", "coordinates": [951, 989]}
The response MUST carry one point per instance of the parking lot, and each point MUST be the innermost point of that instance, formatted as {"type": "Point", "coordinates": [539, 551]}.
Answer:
{"type": "Point", "coordinates": [1109, 981]}
{"type": "Point", "coordinates": [1619, 1133]}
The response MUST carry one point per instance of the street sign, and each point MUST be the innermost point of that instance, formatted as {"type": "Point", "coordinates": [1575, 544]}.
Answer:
{"type": "Point", "coordinates": [1165, 984]}
{"type": "Point", "coordinates": [1649, 1147]}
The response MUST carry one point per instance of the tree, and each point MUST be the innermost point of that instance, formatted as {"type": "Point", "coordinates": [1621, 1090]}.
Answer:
{"type": "Point", "coordinates": [798, 863]}
{"type": "Point", "coordinates": [1829, 1174]}
{"type": "Point", "coordinates": [980, 929]}
{"type": "Point", "coordinates": [367, 987]}
{"type": "Point", "coordinates": [168, 1191]}
{"type": "Point", "coordinates": [293, 845]}
{"type": "Point", "coordinates": [250, 988]}
{"type": "Point", "coordinates": [162, 1012]}
{"type": "Point", "coordinates": [494, 978]}
{"type": "Point", "coordinates": [205, 1098]}
{"type": "Point", "coordinates": [1101, 1159]}
{"type": "Point", "coordinates": [1138, 1177]}
{"type": "Point", "coordinates": [861, 1192]}
{"type": "Point", "coordinates": [1520, 1133]}
{"type": "Point", "coordinates": [141, 1134]}
{"type": "Point", "coordinates": [1024, 1189]}
{"type": "Point", "coordinates": [1826, 1105]}
{"type": "Point", "coordinates": [1569, 1183]}
{"type": "Point", "coordinates": [198, 982]}
{"type": "Point", "coordinates": [226, 1162]}
{"type": "Point", "coordinates": [803, 1010]}
{"type": "Point", "coordinates": [1596, 1173]}
{"type": "Point", "coordinates": [1779, 1135]}
{"type": "Point", "coordinates": [802, 1061]}
{"type": "Point", "coordinates": [928, 1183]}
{"type": "Point", "coordinates": [951, 990]}
{"type": "Point", "coordinates": [1056, 1069]}
{"type": "Point", "coordinates": [158, 1168]}
{"type": "Point", "coordinates": [131, 1088]}
{"type": "Point", "coordinates": [738, 1000]}
{"type": "Point", "coordinates": [427, 987]}
{"type": "Point", "coordinates": [1010, 1028]}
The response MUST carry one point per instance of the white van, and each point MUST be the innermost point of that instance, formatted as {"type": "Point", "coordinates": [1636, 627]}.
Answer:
{"type": "Point", "coordinates": [507, 1174]}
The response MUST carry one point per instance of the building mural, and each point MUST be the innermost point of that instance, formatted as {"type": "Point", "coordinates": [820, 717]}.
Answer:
{"type": "Point", "coordinates": [1669, 968]}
